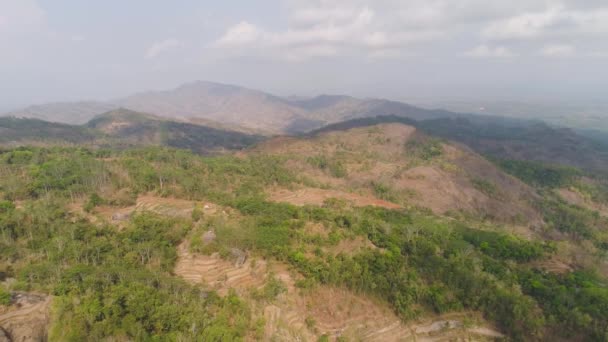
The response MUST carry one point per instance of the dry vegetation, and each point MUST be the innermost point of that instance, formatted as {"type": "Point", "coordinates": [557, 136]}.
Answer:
{"type": "Point", "coordinates": [395, 163]}
{"type": "Point", "coordinates": [377, 234]}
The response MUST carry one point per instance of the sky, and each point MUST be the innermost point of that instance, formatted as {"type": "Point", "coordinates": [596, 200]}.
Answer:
{"type": "Point", "coordinates": [66, 50]}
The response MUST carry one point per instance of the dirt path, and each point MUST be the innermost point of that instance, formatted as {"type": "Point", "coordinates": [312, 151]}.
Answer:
{"type": "Point", "coordinates": [28, 317]}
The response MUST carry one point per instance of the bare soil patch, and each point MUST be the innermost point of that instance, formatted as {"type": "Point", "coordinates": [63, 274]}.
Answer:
{"type": "Point", "coordinates": [27, 318]}
{"type": "Point", "coordinates": [313, 196]}
{"type": "Point", "coordinates": [576, 198]}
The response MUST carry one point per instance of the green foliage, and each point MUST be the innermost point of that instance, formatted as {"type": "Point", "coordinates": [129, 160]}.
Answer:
{"type": "Point", "coordinates": [19, 157]}
{"type": "Point", "coordinates": [486, 187]}
{"type": "Point", "coordinates": [5, 296]}
{"type": "Point", "coordinates": [197, 214]}
{"type": "Point", "coordinates": [383, 191]}
{"type": "Point", "coordinates": [270, 290]}
{"type": "Point", "coordinates": [425, 148]}
{"type": "Point", "coordinates": [572, 219]}
{"type": "Point", "coordinates": [578, 301]}
{"type": "Point", "coordinates": [334, 166]}
{"type": "Point", "coordinates": [311, 323]}
{"type": "Point", "coordinates": [6, 206]}
{"type": "Point", "coordinates": [110, 283]}
{"type": "Point", "coordinates": [14, 129]}
{"type": "Point", "coordinates": [503, 246]}
{"type": "Point", "coordinates": [597, 190]}
{"type": "Point", "coordinates": [428, 264]}
{"type": "Point", "coordinates": [539, 174]}
{"type": "Point", "coordinates": [117, 284]}
{"type": "Point", "coordinates": [94, 201]}
{"type": "Point", "coordinates": [273, 237]}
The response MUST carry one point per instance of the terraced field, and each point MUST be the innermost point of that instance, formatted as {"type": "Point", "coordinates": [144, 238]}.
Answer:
{"type": "Point", "coordinates": [304, 315]}
{"type": "Point", "coordinates": [219, 274]}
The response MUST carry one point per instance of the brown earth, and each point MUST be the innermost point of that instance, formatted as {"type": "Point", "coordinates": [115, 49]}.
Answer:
{"type": "Point", "coordinates": [160, 205]}
{"type": "Point", "coordinates": [316, 196]}
{"type": "Point", "coordinates": [574, 197]}
{"type": "Point", "coordinates": [222, 275]}
{"type": "Point", "coordinates": [553, 265]}
{"type": "Point", "coordinates": [305, 315]}
{"type": "Point", "coordinates": [27, 318]}
{"type": "Point", "coordinates": [457, 180]}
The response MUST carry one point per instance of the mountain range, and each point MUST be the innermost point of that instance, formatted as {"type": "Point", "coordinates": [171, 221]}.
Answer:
{"type": "Point", "coordinates": [327, 218]}
{"type": "Point", "coordinates": [233, 105]}
{"type": "Point", "coordinates": [207, 117]}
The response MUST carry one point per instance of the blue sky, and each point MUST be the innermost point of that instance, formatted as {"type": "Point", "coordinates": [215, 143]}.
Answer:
{"type": "Point", "coordinates": [57, 50]}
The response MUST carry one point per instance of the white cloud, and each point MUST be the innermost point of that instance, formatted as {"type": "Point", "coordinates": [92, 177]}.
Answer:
{"type": "Point", "coordinates": [163, 46]}
{"type": "Point", "coordinates": [242, 33]}
{"type": "Point", "coordinates": [557, 50]}
{"type": "Point", "coordinates": [324, 28]}
{"type": "Point", "coordinates": [398, 27]}
{"type": "Point", "coordinates": [484, 51]}
{"type": "Point", "coordinates": [552, 21]}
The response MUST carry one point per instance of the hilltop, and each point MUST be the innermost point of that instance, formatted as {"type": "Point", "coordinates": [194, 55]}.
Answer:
{"type": "Point", "coordinates": [397, 163]}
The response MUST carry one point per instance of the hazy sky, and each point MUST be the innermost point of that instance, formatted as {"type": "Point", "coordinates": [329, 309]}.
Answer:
{"type": "Point", "coordinates": [53, 50]}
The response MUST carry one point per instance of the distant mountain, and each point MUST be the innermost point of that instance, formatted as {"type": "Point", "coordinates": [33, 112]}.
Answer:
{"type": "Point", "coordinates": [124, 128]}
{"type": "Point", "coordinates": [331, 108]}
{"type": "Point", "coordinates": [135, 128]}
{"type": "Point", "coordinates": [75, 113]}
{"type": "Point", "coordinates": [181, 112]}
{"type": "Point", "coordinates": [250, 110]}
{"type": "Point", "coordinates": [219, 102]}
{"type": "Point", "coordinates": [523, 140]}
{"type": "Point", "coordinates": [21, 131]}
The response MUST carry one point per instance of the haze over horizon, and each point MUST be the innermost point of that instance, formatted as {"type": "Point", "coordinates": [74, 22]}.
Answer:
{"type": "Point", "coordinates": [539, 50]}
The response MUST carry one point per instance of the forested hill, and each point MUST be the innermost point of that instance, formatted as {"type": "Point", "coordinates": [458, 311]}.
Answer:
{"type": "Point", "coordinates": [506, 138]}
{"type": "Point", "coordinates": [15, 131]}
{"type": "Point", "coordinates": [121, 129]}
{"type": "Point", "coordinates": [139, 243]}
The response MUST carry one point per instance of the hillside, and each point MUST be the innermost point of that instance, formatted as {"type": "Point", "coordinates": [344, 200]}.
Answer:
{"type": "Point", "coordinates": [123, 128]}
{"type": "Point", "coordinates": [218, 102]}
{"type": "Point", "coordinates": [74, 113]}
{"type": "Point", "coordinates": [376, 233]}
{"type": "Point", "coordinates": [396, 163]}
{"type": "Point", "coordinates": [14, 131]}
{"type": "Point", "coordinates": [504, 138]}
{"type": "Point", "coordinates": [139, 129]}
{"type": "Point", "coordinates": [513, 139]}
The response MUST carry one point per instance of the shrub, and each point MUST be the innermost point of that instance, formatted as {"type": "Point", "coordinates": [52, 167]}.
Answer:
{"type": "Point", "coordinates": [540, 174]}
{"type": "Point", "coordinates": [486, 187]}
{"type": "Point", "coordinates": [94, 201]}
{"type": "Point", "coordinates": [5, 297]}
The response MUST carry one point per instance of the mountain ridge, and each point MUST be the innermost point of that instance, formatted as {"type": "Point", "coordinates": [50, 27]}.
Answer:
{"type": "Point", "coordinates": [252, 109]}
